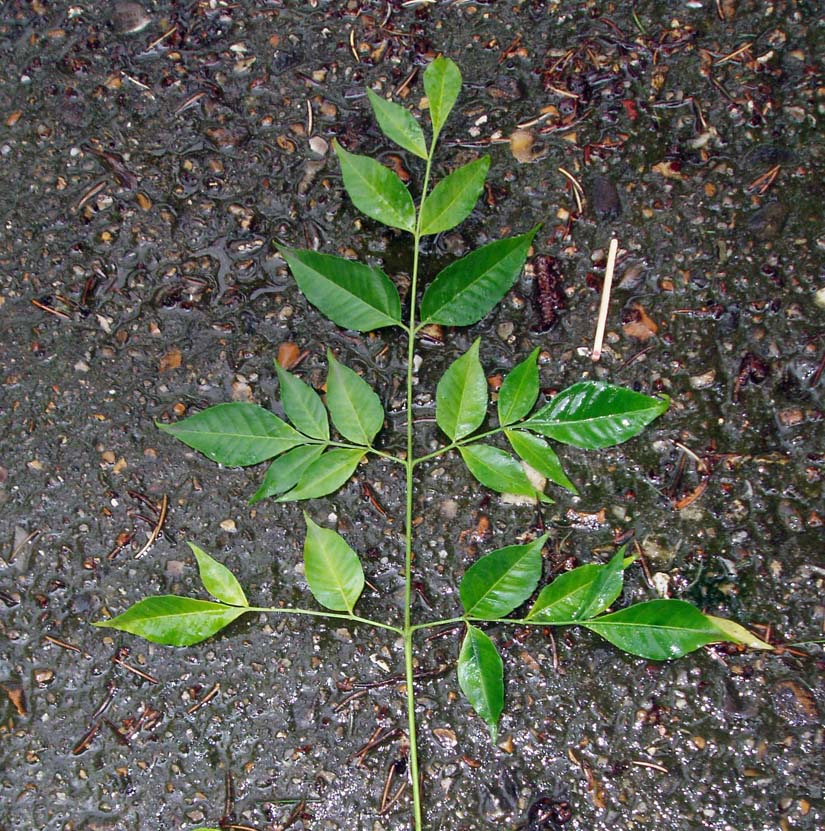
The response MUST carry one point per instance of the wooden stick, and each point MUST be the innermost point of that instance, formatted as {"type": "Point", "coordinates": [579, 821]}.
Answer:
{"type": "Point", "coordinates": [608, 282]}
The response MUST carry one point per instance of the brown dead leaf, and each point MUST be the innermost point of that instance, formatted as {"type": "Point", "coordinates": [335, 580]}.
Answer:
{"type": "Point", "coordinates": [16, 697]}
{"type": "Point", "coordinates": [290, 355]}
{"type": "Point", "coordinates": [638, 324]}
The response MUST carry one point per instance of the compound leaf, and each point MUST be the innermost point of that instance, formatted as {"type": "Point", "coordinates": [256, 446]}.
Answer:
{"type": "Point", "coordinates": [236, 434]}
{"type": "Point", "coordinates": [285, 471]}
{"type": "Point", "coordinates": [332, 569]}
{"type": "Point", "coordinates": [592, 414]}
{"type": "Point", "coordinates": [325, 475]}
{"type": "Point", "coordinates": [218, 580]}
{"type": "Point", "coordinates": [302, 405]}
{"type": "Point", "coordinates": [501, 580]}
{"type": "Point", "coordinates": [467, 289]}
{"type": "Point", "coordinates": [658, 630]}
{"type": "Point", "coordinates": [520, 389]}
{"type": "Point", "coordinates": [355, 409]}
{"type": "Point", "coordinates": [442, 83]}
{"type": "Point", "coordinates": [175, 621]}
{"type": "Point", "coordinates": [454, 197]}
{"type": "Point", "coordinates": [398, 125]}
{"type": "Point", "coordinates": [461, 395]}
{"type": "Point", "coordinates": [376, 190]}
{"type": "Point", "coordinates": [481, 677]}
{"type": "Point", "coordinates": [540, 456]}
{"type": "Point", "coordinates": [349, 293]}
{"type": "Point", "coordinates": [498, 470]}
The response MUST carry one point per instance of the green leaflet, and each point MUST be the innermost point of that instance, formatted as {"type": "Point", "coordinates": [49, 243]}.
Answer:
{"type": "Point", "coordinates": [501, 580]}
{"type": "Point", "coordinates": [355, 409]}
{"type": "Point", "coordinates": [466, 290]}
{"type": "Point", "coordinates": [735, 633]}
{"type": "Point", "coordinates": [519, 391]}
{"type": "Point", "coordinates": [351, 294]}
{"type": "Point", "coordinates": [302, 405]}
{"type": "Point", "coordinates": [540, 456]}
{"type": "Point", "coordinates": [481, 677]}
{"type": "Point", "coordinates": [218, 580]}
{"type": "Point", "coordinates": [564, 600]}
{"type": "Point", "coordinates": [332, 569]}
{"type": "Point", "coordinates": [498, 470]}
{"type": "Point", "coordinates": [658, 630]}
{"type": "Point", "coordinates": [592, 414]}
{"type": "Point", "coordinates": [454, 197]}
{"type": "Point", "coordinates": [376, 190]}
{"type": "Point", "coordinates": [175, 621]}
{"type": "Point", "coordinates": [398, 125]}
{"type": "Point", "coordinates": [605, 588]}
{"type": "Point", "coordinates": [237, 434]}
{"type": "Point", "coordinates": [286, 471]}
{"type": "Point", "coordinates": [461, 395]}
{"type": "Point", "coordinates": [325, 475]}
{"type": "Point", "coordinates": [442, 83]}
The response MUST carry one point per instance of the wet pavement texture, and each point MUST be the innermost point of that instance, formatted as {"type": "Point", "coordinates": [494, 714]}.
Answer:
{"type": "Point", "coordinates": [151, 154]}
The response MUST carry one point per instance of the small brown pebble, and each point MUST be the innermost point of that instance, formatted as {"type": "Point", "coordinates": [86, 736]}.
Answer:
{"type": "Point", "coordinates": [171, 360]}
{"type": "Point", "coordinates": [791, 417]}
{"type": "Point", "coordinates": [43, 677]}
{"type": "Point", "coordinates": [521, 146]}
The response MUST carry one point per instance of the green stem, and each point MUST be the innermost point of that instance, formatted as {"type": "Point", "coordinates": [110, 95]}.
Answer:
{"type": "Point", "coordinates": [338, 615]}
{"type": "Point", "coordinates": [409, 464]}
{"type": "Point", "coordinates": [460, 443]}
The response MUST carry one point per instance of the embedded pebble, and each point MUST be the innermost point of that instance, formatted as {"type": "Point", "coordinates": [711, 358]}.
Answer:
{"type": "Point", "coordinates": [604, 197]}
{"type": "Point", "coordinates": [794, 702]}
{"type": "Point", "coordinates": [129, 18]}
{"type": "Point", "coordinates": [229, 525]}
{"type": "Point", "coordinates": [767, 223]}
{"type": "Point", "coordinates": [703, 381]}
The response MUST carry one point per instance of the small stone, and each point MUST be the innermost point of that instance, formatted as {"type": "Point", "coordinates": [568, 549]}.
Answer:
{"type": "Point", "coordinates": [703, 381]}
{"type": "Point", "coordinates": [819, 298]}
{"type": "Point", "coordinates": [445, 737]}
{"type": "Point", "coordinates": [604, 197]}
{"type": "Point", "coordinates": [521, 146]}
{"type": "Point", "coordinates": [767, 223]}
{"type": "Point", "coordinates": [319, 145]}
{"type": "Point", "coordinates": [129, 18]}
{"type": "Point", "coordinates": [791, 417]}
{"type": "Point", "coordinates": [794, 702]}
{"type": "Point", "coordinates": [229, 526]}
{"type": "Point", "coordinates": [43, 677]}
{"type": "Point", "coordinates": [171, 360]}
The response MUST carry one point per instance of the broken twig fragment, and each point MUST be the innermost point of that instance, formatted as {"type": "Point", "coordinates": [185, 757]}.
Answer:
{"type": "Point", "coordinates": [608, 282]}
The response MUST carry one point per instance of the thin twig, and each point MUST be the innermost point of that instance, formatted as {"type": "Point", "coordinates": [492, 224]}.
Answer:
{"type": "Point", "coordinates": [608, 282]}
{"type": "Point", "coordinates": [164, 505]}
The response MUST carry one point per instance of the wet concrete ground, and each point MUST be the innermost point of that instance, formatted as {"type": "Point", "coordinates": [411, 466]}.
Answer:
{"type": "Point", "coordinates": [144, 176]}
